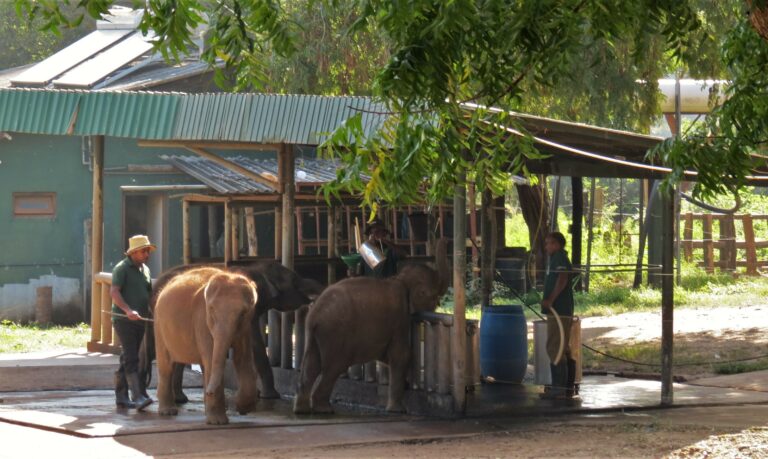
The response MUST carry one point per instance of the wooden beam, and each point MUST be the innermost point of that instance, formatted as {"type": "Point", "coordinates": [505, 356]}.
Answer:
{"type": "Point", "coordinates": [218, 145]}
{"type": "Point", "coordinates": [459, 295]}
{"type": "Point", "coordinates": [185, 237]}
{"type": "Point", "coordinates": [97, 224]}
{"type": "Point", "coordinates": [263, 179]}
{"type": "Point", "coordinates": [287, 179]}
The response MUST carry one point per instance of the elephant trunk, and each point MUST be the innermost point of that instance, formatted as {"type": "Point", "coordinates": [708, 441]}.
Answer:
{"type": "Point", "coordinates": [219, 359]}
{"type": "Point", "coordinates": [442, 266]}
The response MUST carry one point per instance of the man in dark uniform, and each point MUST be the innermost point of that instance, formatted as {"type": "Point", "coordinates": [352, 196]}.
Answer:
{"type": "Point", "coordinates": [558, 296]}
{"type": "Point", "coordinates": [130, 291]}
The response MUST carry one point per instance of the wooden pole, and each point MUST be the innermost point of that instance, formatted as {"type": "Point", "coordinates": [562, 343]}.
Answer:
{"type": "Point", "coordinates": [487, 256]}
{"type": "Point", "coordinates": [227, 233]}
{"type": "Point", "coordinates": [250, 229]}
{"type": "Point", "coordinates": [749, 242]}
{"type": "Point", "coordinates": [459, 295]}
{"type": "Point", "coordinates": [97, 226]}
{"type": "Point", "coordinates": [212, 236]}
{"type": "Point", "coordinates": [577, 217]}
{"type": "Point", "coordinates": [185, 238]}
{"type": "Point", "coordinates": [278, 232]}
{"type": "Point", "coordinates": [332, 240]}
{"type": "Point", "coordinates": [288, 183]}
{"type": "Point", "coordinates": [667, 295]}
{"type": "Point", "coordinates": [235, 232]}
{"type": "Point", "coordinates": [590, 228]}
{"type": "Point", "coordinates": [473, 225]}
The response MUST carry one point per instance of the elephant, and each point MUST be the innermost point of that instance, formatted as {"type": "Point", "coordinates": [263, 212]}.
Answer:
{"type": "Point", "coordinates": [361, 319]}
{"type": "Point", "coordinates": [199, 316]}
{"type": "Point", "coordinates": [279, 288]}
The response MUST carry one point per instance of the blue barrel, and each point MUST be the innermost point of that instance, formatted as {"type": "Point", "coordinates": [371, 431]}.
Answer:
{"type": "Point", "coordinates": [503, 343]}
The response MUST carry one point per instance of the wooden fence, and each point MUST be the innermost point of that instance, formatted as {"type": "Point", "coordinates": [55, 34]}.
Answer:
{"type": "Point", "coordinates": [725, 241]}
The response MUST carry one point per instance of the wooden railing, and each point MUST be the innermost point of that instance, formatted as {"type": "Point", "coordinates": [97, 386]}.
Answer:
{"type": "Point", "coordinates": [103, 338]}
{"type": "Point", "coordinates": [725, 241]}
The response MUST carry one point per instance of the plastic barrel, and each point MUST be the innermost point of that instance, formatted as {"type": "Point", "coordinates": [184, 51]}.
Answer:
{"type": "Point", "coordinates": [503, 343]}
{"type": "Point", "coordinates": [512, 272]}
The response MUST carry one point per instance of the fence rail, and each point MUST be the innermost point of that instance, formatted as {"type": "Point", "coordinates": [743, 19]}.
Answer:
{"type": "Point", "coordinates": [725, 241]}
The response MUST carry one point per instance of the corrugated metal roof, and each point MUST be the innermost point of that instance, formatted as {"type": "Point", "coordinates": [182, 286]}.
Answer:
{"type": "Point", "coordinates": [128, 114]}
{"type": "Point", "coordinates": [270, 118]}
{"type": "Point", "coordinates": [257, 118]}
{"type": "Point", "coordinates": [35, 111]}
{"type": "Point", "coordinates": [309, 171]}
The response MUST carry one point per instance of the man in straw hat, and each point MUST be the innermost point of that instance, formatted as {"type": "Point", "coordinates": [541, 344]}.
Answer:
{"type": "Point", "coordinates": [130, 291]}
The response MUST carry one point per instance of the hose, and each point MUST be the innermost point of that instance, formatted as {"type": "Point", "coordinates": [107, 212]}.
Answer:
{"type": "Point", "coordinates": [562, 336]}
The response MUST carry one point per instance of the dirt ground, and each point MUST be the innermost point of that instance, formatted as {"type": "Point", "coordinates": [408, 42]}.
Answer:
{"type": "Point", "coordinates": [712, 335]}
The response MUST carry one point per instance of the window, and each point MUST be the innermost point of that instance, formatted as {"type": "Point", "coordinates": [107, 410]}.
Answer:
{"type": "Point", "coordinates": [34, 204]}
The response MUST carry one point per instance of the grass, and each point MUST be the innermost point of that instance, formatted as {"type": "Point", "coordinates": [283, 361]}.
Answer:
{"type": "Point", "coordinates": [18, 338]}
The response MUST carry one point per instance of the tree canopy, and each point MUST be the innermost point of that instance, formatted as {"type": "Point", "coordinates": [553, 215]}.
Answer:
{"type": "Point", "coordinates": [437, 64]}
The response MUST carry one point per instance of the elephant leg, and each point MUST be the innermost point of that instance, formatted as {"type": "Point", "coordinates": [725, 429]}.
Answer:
{"type": "Point", "coordinates": [164, 386]}
{"type": "Point", "coordinates": [215, 407]}
{"type": "Point", "coordinates": [248, 391]}
{"type": "Point", "coordinates": [321, 395]}
{"type": "Point", "coordinates": [177, 381]}
{"type": "Point", "coordinates": [310, 369]}
{"type": "Point", "coordinates": [399, 361]}
{"type": "Point", "coordinates": [263, 368]}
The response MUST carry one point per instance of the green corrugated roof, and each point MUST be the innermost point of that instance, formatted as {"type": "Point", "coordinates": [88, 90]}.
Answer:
{"type": "Point", "coordinates": [258, 118]}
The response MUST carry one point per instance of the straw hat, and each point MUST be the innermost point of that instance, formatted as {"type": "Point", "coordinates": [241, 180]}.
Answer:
{"type": "Point", "coordinates": [138, 242]}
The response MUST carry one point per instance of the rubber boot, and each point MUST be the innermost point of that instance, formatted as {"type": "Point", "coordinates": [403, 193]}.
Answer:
{"type": "Point", "coordinates": [138, 398]}
{"type": "Point", "coordinates": [122, 400]}
{"type": "Point", "coordinates": [570, 388]}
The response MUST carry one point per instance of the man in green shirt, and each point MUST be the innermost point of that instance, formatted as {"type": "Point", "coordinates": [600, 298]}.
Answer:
{"type": "Point", "coordinates": [130, 292]}
{"type": "Point", "coordinates": [558, 297]}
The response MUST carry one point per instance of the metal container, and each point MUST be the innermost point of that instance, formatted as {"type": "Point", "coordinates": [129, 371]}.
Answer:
{"type": "Point", "coordinates": [542, 375]}
{"type": "Point", "coordinates": [372, 255]}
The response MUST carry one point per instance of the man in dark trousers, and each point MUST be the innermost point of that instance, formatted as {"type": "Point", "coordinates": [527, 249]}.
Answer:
{"type": "Point", "coordinates": [558, 296]}
{"type": "Point", "coordinates": [130, 291]}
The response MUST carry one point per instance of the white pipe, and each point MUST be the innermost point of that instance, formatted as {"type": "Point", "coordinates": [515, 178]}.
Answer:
{"type": "Point", "coordinates": [694, 94]}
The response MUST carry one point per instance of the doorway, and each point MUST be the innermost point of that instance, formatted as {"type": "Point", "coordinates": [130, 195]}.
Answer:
{"type": "Point", "coordinates": [147, 214]}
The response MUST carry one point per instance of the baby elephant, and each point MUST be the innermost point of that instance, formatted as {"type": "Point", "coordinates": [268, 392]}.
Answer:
{"type": "Point", "coordinates": [199, 316]}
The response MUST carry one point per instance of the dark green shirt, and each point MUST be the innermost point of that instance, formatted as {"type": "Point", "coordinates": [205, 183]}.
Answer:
{"type": "Point", "coordinates": [556, 264]}
{"type": "Point", "coordinates": [135, 285]}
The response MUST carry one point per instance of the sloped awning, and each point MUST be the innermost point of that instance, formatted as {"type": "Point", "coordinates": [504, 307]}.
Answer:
{"type": "Point", "coordinates": [309, 172]}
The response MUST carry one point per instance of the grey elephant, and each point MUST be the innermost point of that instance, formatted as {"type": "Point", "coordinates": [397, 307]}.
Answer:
{"type": "Point", "coordinates": [363, 319]}
{"type": "Point", "coordinates": [279, 288]}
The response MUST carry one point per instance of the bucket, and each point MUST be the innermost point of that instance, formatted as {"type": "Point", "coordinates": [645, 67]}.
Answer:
{"type": "Point", "coordinates": [542, 375]}
{"type": "Point", "coordinates": [504, 343]}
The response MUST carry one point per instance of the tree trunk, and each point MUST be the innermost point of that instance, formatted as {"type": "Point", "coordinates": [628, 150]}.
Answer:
{"type": "Point", "coordinates": [758, 16]}
{"type": "Point", "coordinates": [534, 203]}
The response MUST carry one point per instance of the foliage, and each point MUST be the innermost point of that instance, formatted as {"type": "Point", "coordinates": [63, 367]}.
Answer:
{"type": "Point", "coordinates": [730, 145]}
{"type": "Point", "coordinates": [24, 42]}
{"type": "Point", "coordinates": [18, 338]}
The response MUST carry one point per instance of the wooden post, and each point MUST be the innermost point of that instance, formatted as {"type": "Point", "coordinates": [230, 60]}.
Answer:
{"type": "Point", "coordinates": [286, 334]}
{"type": "Point", "coordinates": [278, 232]}
{"type": "Point", "coordinates": [577, 217]}
{"type": "Point", "coordinates": [430, 356]}
{"type": "Point", "coordinates": [106, 321]}
{"type": "Point", "coordinates": [331, 252]}
{"type": "Point", "coordinates": [667, 296]}
{"type": "Point", "coordinates": [444, 358]}
{"type": "Point", "coordinates": [317, 230]}
{"type": "Point", "coordinates": [227, 233]}
{"type": "Point", "coordinates": [97, 228]}
{"type": "Point", "coordinates": [411, 242]}
{"type": "Point", "coordinates": [299, 231]}
{"type": "Point", "coordinates": [590, 228]}
{"type": "Point", "coordinates": [273, 337]}
{"type": "Point", "coordinates": [350, 230]}
{"type": "Point", "coordinates": [301, 337]}
{"type": "Point", "coordinates": [487, 215]}
{"type": "Point", "coordinates": [417, 359]}
{"type": "Point", "coordinates": [688, 236]}
{"type": "Point", "coordinates": [288, 186]}
{"type": "Point", "coordinates": [212, 236]}
{"type": "Point", "coordinates": [749, 242]}
{"type": "Point", "coordinates": [250, 229]}
{"type": "Point", "coordinates": [185, 237]}
{"type": "Point", "coordinates": [728, 241]}
{"type": "Point", "coordinates": [235, 222]}
{"type": "Point", "coordinates": [473, 225]}
{"type": "Point", "coordinates": [459, 294]}
{"type": "Point", "coordinates": [96, 314]}
{"type": "Point", "coordinates": [709, 255]}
